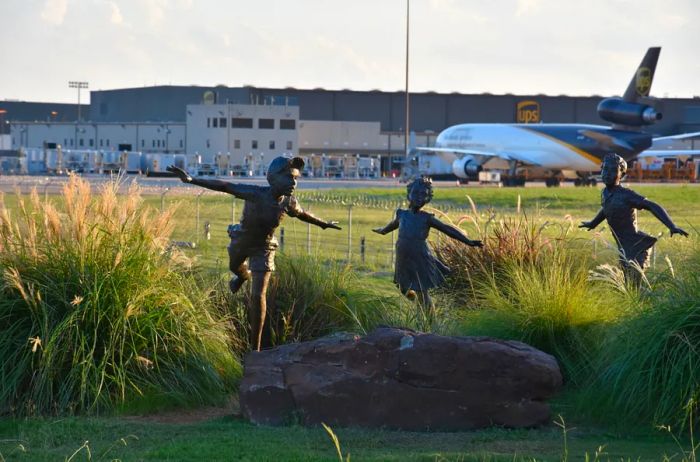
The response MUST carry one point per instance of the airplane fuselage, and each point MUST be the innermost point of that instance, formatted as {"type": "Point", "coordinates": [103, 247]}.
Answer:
{"type": "Point", "coordinates": [550, 146]}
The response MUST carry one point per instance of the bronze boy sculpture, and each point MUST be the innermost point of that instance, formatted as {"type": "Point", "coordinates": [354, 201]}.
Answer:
{"type": "Point", "coordinates": [619, 207]}
{"type": "Point", "coordinates": [253, 239]}
{"type": "Point", "coordinates": [417, 269]}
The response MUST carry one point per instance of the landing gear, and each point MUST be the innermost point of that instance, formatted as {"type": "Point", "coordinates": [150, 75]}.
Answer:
{"type": "Point", "coordinates": [511, 181]}
{"type": "Point", "coordinates": [552, 182]}
{"type": "Point", "coordinates": [587, 181]}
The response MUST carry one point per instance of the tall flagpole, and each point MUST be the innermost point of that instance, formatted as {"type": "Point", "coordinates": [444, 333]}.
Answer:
{"type": "Point", "coordinates": [406, 128]}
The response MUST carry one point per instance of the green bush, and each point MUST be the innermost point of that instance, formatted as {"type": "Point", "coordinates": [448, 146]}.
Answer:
{"type": "Point", "coordinates": [309, 297]}
{"type": "Point", "coordinates": [649, 369]}
{"type": "Point", "coordinates": [550, 304]}
{"type": "Point", "coordinates": [96, 311]}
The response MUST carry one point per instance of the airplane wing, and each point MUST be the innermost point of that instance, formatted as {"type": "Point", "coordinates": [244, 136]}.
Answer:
{"type": "Point", "coordinates": [452, 154]}
{"type": "Point", "coordinates": [682, 136]}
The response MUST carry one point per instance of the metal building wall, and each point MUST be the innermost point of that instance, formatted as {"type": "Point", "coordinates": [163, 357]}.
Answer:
{"type": "Point", "coordinates": [429, 111]}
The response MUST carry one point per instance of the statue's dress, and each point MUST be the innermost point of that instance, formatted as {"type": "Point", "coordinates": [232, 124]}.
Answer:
{"type": "Point", "coordinates": [620, 209]}
{"type": "Point", "coordinates": [417, 267]}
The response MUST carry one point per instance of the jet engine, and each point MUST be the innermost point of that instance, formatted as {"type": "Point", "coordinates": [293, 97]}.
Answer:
{"type": "Point", "coordinates": [621, 112]}
{"type": "Point", "coordinates": [466, 167]}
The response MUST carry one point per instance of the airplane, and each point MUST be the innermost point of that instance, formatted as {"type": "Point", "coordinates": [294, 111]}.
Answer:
{"type": "Point", "coordinates": [560, 149]}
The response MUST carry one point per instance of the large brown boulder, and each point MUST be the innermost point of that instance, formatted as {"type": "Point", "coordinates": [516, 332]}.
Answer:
{"type": "Point", "coordinates": [398, 378]}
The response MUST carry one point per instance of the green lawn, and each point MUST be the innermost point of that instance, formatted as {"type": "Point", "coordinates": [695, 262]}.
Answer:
{"type": "Point", "coordinates": [560, 207]}
{"type": "Point", "coordinates": [230, 438]}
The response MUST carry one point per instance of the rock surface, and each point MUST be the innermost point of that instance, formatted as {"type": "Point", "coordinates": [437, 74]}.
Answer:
{"type": "Point", "coordinates": [401, 379]}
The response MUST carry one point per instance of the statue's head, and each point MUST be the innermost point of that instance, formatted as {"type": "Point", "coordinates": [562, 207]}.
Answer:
{"type": "Point", "coordinates": [613, 169]}
{"type": "Point", "coordinates": [419, 191]}
{"type": "Point", "coordinates": [282, 174]}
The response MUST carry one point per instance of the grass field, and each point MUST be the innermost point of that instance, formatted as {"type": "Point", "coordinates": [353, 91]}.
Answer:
{"type": "Point", "coordinates": [558, 211]}
{"type": "Point", "coordinates": [232, 439]}
{"type": "Point", "coordinates": [375, 207]}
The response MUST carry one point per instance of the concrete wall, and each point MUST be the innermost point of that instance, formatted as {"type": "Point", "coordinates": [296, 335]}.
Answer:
{"type": "Point", "coordinates": [205, 139]}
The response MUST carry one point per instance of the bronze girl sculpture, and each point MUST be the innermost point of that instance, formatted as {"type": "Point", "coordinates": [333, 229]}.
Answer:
{"type": "Point", "coordinates": [619, 207]}
{"type": "Point", "coordinates": [417, 269]}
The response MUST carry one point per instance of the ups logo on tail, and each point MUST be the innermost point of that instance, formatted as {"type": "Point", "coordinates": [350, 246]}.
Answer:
{"type": "Point", "coordinates": [528, 112]}
{"type": "Point", "coordinates": [643, 81]}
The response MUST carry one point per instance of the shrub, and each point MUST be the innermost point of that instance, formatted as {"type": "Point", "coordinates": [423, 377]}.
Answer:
{"type": "Point", "coordinates": [548, 303]}
{"type": "Point", "coordinates": [96, 310]}
{"type": "Point", "coordinates": [308, 298]}
{"type": "Point", "coordinates": [518, 239]}
{"type": "Point", "coordinates": [649, 370]}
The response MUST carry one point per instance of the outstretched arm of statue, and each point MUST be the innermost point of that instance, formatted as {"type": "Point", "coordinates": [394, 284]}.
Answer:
{"type": "Point", "coordinates": [598, 219]}
{"type": "Point", "coordinates": [453, 232]}
{"type": "Point", "coordinates": [241, 191]}
{"type": "Point", "coordinates": [661, 214]}
{"type": "Point", "coordinates": [314, 220]}
{"type": "Point", "coordinates": [392, 225]}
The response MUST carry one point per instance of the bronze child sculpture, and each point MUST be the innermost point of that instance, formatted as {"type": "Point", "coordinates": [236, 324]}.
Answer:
{"type": "Point", "coordinates": [417, 269]}
{"type": "Point", "coordinates": [253, 239]}
{"type": "Point", "coordinates": [619, 207]}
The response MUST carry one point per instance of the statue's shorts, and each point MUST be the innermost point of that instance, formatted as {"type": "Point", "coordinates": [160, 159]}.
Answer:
{"type": "Point", "coordinates": [261, 256]}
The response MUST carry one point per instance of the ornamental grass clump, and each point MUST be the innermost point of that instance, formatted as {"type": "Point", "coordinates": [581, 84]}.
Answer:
{"type": "Point", "coordinates": [97, 311]}
{"type": "Point", "coordinates": [516, 239]}
{"type": "Point", "coordinates": [649, 369]}
{"type": "Point", "coordinates": [548, 303]}
{"type": "Point", "coordinates": [309, 298]}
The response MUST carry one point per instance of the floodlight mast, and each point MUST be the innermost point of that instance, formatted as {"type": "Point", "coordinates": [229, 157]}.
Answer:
{"type": "Point", "coordinates": [406, 128]}
{"type": "Point", "coordinates": [79, 86]}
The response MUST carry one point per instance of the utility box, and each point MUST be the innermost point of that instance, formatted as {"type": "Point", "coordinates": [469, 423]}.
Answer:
{"type": "Point", "coordinates": [488, 177]}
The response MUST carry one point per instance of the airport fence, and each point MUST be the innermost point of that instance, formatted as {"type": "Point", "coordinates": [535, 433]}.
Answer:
{"type": "Point", "coordinates": [202, 218]}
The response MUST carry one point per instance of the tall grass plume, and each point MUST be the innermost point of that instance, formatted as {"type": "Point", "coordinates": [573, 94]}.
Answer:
{"type": "Point", "coordinates": [96, 310]}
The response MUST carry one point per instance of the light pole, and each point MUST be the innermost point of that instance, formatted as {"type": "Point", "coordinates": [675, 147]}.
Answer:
{"type": "Point", "coordinates": [408, 121]}
{"type": "Point", "coordinates": [79, 86]}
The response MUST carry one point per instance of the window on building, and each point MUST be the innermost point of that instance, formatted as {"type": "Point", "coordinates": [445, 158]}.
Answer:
{"type": "Point", "coordinates": [272, 145]}
{"type": "Point", "coordinates": [236, 144]}
{"type": "Point", "coordinates": [266, 123]}
{"type": "Point", "coordinates": [214, 122]}
{"type": "Point", "coordinates": [241, 122]}
{"type": "Point", "coordinates": [180, 143]}
{"type": "Point", "coordinates": [65, 141]}
{"type": "Point", "coordinates": [254, 144]}
{"type": "Point", "coordinates": [153, 143]}
{"type": "Point", "coordinates": [222, 122]}
{"type": "Point", "coordinates": [208, 122]}
{"type": "Point", "coordinates": [208, 144]}
{"type": "Point", "coordinates": [91, 142]}
{"type": "Point", "coordinates": [107, 142]}
{"type": "Point", "coordinates": [102, 142]}
{"type": "Point", "coordinates": [143, 143]}
{"type": "Point", "coordinates": [289, 146]}
{"type": "Point", "coordinates": [163, 144]}
{"type": "Point", "coordinates": [71, 141]}
{"type": "Point", "coordinates": [287, 124]}
{"type": "Point", "coordinates": [82, 142]}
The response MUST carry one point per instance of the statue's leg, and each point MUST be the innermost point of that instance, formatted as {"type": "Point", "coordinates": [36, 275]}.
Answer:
{"type": "Point", "coordinates": [410, 294]}
{"type": "Point", "coordinates": [425, 303]}
{"type": "Point", "coordinates": [632, 272]}
{"type": "Point", "coordinates": [238, 266]}
{"type": "Point", "coordinates": [258, 307]}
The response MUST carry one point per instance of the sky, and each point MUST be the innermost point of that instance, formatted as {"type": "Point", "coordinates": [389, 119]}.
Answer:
{"type": "Point", "coordinates": [548, 47]}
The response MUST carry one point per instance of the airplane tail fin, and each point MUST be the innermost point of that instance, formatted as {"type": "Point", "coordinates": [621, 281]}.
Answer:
{"type": "Point", "coordinates": [641, 81]}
